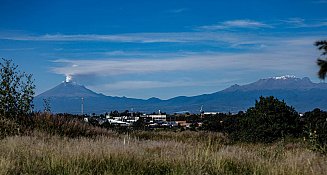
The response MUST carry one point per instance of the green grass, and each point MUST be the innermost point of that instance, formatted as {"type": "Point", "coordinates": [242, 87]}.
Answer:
{"type": "Point", "coordinates": [157, 153]}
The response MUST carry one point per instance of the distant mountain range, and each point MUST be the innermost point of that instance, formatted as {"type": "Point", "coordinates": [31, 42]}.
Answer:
{"type": "Point", "coordinates": [300, 93]}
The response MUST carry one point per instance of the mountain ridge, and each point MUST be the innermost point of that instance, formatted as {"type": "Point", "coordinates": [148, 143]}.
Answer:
{"type": "Point", "coordinates": [301, 93]}
{"type": "Point", "coordinates": [283, 82]}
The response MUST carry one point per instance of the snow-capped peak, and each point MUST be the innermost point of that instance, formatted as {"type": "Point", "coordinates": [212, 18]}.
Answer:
{"type": "Point", "coordinates": [284, 77]}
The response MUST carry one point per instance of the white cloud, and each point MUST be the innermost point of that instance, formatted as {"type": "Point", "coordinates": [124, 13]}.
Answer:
{"type": "Point", "coordinates": [240, 23]}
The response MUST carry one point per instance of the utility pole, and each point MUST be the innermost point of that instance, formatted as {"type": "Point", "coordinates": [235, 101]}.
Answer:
{"type": "Point", "coordinates": [82, 106]}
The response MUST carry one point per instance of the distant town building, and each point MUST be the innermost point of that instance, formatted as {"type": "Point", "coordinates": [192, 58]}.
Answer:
{"type": "Point", "coordinates": [156, 117]}
{"type": "Point", "coordinates": [211, 113]}
{"type": "Point", "coordinates": [126, 119]}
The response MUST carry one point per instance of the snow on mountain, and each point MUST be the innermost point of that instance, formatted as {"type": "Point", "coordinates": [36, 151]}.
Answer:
{"type": "Point", "coordinates": [285, 77]}
{"type": "Point", "coordinates": [287, 82]}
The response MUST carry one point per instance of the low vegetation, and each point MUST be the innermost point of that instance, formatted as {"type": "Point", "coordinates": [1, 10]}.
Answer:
{"type": "Point", "coordinates": [64, 125]}
{"type": "Point", "coordinates": [60, 144]}
{"type": "Point", "coordinates": [41, 153]}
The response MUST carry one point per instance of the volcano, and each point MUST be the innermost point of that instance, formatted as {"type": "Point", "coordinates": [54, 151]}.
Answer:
{"type": "Point", "coordinates": [69, 89]}
{"type": "Point", "coordinates": [68, 97]}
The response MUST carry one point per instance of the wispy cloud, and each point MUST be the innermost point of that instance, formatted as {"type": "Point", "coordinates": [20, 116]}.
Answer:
{"type": "Point", "coordinates": [240, 23]}
{"type": "Point", "coordinates": [119, 76]}
{"type": "Point", "coordinates": [278, 53]}
{"type": "Point", "coordinates": [126, 66]}
{"type": "Point", "coordinates": [179, 10]}
{"type": "Point", "coordinates": [132, 85]}
{"type": "Point", "coordinates": [294, 21]}
{"type": "Point", "coordinates": [208, 36]}
{"type": "Point", "coordinates": [131, 37]}
{"type": "Point", "coordinates": [302, 23]}
{"type": "Point", "coordinates": [16, 49]}
{"type": "Point", "coordinates": [146, 84]}
{"type": "Point", "coordinates": [280, 56]}
{"type": "Point", "coordinates": [134, 37]}
{"type": "Point", "coordinates": [320, 1]}
{"type": "Point", "coordinates": [149, 54]}
{"type": "Point", "coordinates": [120, 88]}
{"type": "Point", "coordinates": [220, 38]}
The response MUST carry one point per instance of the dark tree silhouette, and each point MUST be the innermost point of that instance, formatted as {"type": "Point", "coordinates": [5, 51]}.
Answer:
{"type": "Point", "coordinates": [16, 91]}
{"type": "Point", "coordinates": [270, 119]}
{"type": "Point", "coordinates": [322, 62]}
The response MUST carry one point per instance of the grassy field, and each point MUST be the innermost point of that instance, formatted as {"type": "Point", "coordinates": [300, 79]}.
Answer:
{"type": "Point", "coordinates": [153, 153]}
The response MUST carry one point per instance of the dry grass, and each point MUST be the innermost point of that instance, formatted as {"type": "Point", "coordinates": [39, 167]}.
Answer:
{"type": "Point", "coordinates": [44, 154]}
{"type": "Point", "coordinates": [8, 128]}
{"type": "Point", "coordinates": [65, 126]}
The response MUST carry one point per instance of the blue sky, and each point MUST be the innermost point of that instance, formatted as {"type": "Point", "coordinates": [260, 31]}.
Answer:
{"type": "Point", "coordinates": [165, 48]}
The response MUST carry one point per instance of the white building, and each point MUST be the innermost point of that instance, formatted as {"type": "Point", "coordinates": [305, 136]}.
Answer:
{"type": "Point", "coordinates": [211, 113]}
{"type": "Point", "coordinates": [157, 117]}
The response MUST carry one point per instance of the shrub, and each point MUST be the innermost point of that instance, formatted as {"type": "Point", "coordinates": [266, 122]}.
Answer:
{"type": "Point", "coordinates": [214, 122]}
{"type": "Point", "coordinates": [64, 125]}
{"type": "Point", "coordinates": [269, 120]}
{"type": "Point", "coordinates": [222, 123]}
{"type": "Point", "coordinates": [316, 129]}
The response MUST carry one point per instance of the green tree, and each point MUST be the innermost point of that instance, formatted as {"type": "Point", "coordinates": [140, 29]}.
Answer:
{"type": "Point", "coordinates": [322, 62]}
{"type": "Point", "coordinates": [269, 120]}
{"type": "Point", "coordinates": [16, 91]}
